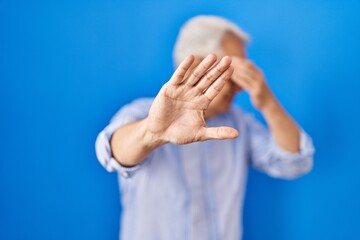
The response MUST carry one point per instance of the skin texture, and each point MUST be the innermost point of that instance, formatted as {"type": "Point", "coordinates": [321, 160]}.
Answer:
{"type": "Point", "coordinates": [201, 89]}
{"type": "Point", "coordinates": [177, 114]}
{"type": "Point", "coordinates": [250, 78]}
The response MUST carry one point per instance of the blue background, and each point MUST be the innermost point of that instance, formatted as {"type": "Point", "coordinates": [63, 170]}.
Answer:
{"type": "Point", "coordinates": [67, 66]}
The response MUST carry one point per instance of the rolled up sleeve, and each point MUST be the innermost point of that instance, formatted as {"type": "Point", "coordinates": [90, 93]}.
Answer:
{"type": "Point", "coordinates": [132, 112]}
{"type": "Point", "coordinates": [269, 157]}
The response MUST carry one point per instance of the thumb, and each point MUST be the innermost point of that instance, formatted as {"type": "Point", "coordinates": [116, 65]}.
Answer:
{"type": "Point", "coordinates": [218, 133]}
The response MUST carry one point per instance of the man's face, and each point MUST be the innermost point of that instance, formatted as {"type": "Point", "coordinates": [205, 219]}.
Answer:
{"type": "Point", "coordinates": [231, 46]}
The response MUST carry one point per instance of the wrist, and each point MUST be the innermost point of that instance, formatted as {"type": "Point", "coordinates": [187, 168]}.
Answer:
{"type": "Point", "coordinates": [150, 140]}
{"type": "Point", "coordinates": [272, 106]}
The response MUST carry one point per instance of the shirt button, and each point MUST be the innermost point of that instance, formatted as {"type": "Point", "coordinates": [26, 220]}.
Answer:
{"type": "Point", "coordinates": [124, 174]}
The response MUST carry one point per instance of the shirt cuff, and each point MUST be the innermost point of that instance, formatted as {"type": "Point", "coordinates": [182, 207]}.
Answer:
{"type": "Point", "coordinates": [104, 154]}
{"type": "Point", "coordinates": [306, 149]}
{"type": "Point", "coordinates": [126, 172]}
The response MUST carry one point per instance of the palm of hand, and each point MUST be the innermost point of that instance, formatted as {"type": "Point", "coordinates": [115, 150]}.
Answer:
{"type": "Point", "coordinates": [177, 113]}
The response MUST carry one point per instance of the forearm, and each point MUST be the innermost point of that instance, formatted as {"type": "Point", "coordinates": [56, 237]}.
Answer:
{"type": "Point", "coordinates": [132, 143]}
{"type": "Point", "coordinates": [282, 127]}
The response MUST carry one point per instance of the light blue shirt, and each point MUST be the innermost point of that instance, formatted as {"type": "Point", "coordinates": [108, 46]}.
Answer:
{"type": "Point", "coordinates": [196, 191]}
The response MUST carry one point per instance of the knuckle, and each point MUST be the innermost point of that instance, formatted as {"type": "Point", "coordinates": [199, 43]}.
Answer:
{"type": "Point", "coordinates": [204, 67]}
{"type": "Point", "coordinates": [179, 76]}
{"type": "Point", "coordinates": [216, 88]}
{"type": "Point", "coordinates": [196, 74]}
{"type": "Point", "coordinates": [220, 69]}
{"type": "Point", "coordinates": [209, 77]}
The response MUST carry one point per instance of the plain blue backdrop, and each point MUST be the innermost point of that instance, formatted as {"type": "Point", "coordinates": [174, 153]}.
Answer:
{"type": "Point", "coordinates": [67, 66]}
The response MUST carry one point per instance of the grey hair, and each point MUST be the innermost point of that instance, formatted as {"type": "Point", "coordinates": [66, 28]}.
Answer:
{"type": "Point", "coordinates": [202, 35]}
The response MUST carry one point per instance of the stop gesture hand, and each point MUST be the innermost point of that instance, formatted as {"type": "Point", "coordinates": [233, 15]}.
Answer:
{"type": "Point", "coordinates": [177, 113]}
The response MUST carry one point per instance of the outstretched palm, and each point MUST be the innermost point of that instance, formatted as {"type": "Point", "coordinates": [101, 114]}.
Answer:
{"type": "Point", "coordinates": [177, 113]}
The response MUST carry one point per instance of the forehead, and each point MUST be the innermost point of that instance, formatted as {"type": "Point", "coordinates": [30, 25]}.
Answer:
{"type": "Point", "coordinates": [232, 45]}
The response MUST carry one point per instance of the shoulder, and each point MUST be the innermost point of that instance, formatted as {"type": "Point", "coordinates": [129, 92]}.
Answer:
{"type": "Point", "coordinates": [134, 110]}
{"type": "Point", "coordinates": [242, 116]}
{"type": "Point", "coordinates": [140, 103]}
{"type": "Point", "coordinates": [238, 112]}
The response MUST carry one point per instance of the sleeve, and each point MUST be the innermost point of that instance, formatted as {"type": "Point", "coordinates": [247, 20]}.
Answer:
{"type": "Point", "coordinates": [134, 111]}
{"type": "Point", "coordinates": [267, 156]}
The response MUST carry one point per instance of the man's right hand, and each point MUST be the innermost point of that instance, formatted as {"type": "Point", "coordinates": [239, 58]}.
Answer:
{"type": "Point", "coordinates": [177, 113]}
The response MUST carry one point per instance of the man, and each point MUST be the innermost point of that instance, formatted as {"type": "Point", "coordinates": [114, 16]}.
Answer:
{"type": "Point", "coordinates": [176, 185]}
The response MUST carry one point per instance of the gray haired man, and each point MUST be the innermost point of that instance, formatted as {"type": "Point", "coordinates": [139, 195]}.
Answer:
{"type": "Point", "coordinates": [174, 183]}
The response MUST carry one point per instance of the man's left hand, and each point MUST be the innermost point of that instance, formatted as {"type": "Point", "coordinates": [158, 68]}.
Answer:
{"type": "Point", "coordinates": [250, 78]}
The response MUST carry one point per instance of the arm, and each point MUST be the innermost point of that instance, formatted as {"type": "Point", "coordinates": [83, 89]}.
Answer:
{"type": "Point", "coordinates": [177, 113]}
{"type": "Point", "coordinates": [286, 150]}
{"type": "Point", "coordinates": [132, 143]}
{"type": "Point", "coordinates": [282, 127]}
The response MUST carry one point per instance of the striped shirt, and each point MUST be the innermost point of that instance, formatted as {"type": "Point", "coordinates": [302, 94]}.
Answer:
{"type": "Point", "coordinates": [196, 191]}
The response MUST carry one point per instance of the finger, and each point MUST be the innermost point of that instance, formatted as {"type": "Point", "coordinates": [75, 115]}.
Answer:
{"type": "Point", "coordinates": [201, 69]}
{"type": "Point", "coordinates": [243, 62]}
{"type": "Point", "coordinates": [214, 73]}
{"type": "Point", "coordinates": [218, 133]}
{"type": "Point", "coordinates": [178, 76]}
{"type": "Point", "coordinates": [196, 62]}
{"type": "Point", "coordinates": [243, 80]}
{"type": "Point", "coordinates": [218, 85]}
{"type": "Point", "coordinates": [252, 73]}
